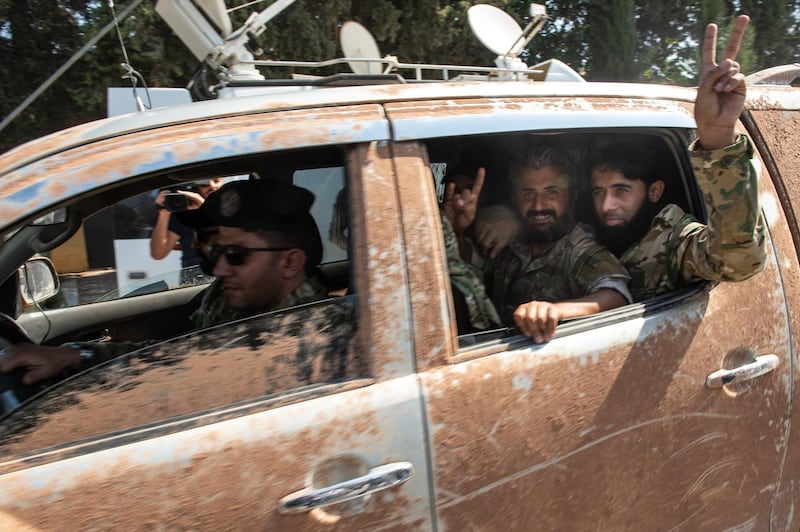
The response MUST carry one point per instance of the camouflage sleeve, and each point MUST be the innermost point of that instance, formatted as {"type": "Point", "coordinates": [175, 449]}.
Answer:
{"type": "Point", "coordinates": [731, 246]}
{"type": "Point", "coordinates": [598, 268]}
{"type": "Point", "coordinates": [214, 308]}
{"type": "Point", "coordinates": [467, 280]}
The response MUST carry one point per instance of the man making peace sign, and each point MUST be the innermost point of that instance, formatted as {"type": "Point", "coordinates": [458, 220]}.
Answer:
{"type": "Point", "coordinates": [662, 247]}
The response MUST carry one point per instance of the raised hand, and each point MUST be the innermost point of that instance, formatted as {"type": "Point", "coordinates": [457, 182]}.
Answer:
{"type": "Point", "coordinates": [460, 208]}
{"type": "Point", "coordinates": [722, 89]}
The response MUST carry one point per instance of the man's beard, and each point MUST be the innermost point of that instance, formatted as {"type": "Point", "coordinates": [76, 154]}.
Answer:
{"type": "Point", "coordinates": [618, 238]}
{"type": "Point", "coordinates": [560, 227]}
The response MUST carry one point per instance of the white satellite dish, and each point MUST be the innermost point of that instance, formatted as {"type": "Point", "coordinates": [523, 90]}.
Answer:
{"type": "Point", "coordinates": [496, 29]}
{"type": "Point", "coordinates": [357, 43]}
{"type": "Point", "coordinates": [217, 12]}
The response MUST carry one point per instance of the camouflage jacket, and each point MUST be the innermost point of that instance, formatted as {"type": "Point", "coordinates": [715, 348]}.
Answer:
{"type": "Point", "coordinates": [678, 249]}
{"type": "Point", "coordinates": [214, 307]}
{"type": "Point", "coordinates": [575, 266]}
{"type": "Point", "coordinates": [213, 310]}
{"type": "Point", "coordinates": [467, 280]}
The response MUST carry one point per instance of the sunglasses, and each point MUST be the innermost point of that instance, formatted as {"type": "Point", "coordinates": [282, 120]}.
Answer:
{"type": "Point", "coordinates": [235, 255]}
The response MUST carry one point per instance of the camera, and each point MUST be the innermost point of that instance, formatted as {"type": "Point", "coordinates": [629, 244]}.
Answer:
{"type": "Point", "coordinates": [174, 201]}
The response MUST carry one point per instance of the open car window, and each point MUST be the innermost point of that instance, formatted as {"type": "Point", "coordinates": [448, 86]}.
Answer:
{"type": "Point", "coordinates": [454, 156]}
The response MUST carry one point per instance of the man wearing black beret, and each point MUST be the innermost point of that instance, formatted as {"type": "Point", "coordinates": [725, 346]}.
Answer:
{"type": "Point", "coordinates": [265, 257]}
{"type": "Point", "coordinates": [266, 252]}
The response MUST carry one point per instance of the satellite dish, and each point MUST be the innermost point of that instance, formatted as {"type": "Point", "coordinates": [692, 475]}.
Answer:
{"type": "Point", "coordinates": [496, 29]}
{"type": "Point", "coordinates": [357, 42]}
{"type": "Point", "coordinates": [217, 12]}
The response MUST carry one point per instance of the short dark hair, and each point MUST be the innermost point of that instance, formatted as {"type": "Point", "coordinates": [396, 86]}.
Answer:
{"type": "Point", "coordinates": [306, 238]}
{"type": "Point", "coordinates": [629, 160]}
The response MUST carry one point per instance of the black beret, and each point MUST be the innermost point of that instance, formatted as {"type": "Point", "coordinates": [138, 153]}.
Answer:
{"type": "Point", "coordinates": [253, 204]}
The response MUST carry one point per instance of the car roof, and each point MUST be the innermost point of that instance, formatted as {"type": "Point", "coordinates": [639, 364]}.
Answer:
{"type": "Point", "coordinates": [321, 97]}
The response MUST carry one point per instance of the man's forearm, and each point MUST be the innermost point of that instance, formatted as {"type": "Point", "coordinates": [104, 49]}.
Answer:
{"type": "Point", "coordinates": [603, 299]}
{"type": "Point", "coordinates": [731, 245]}
{"type": "Point", "coordinates": [159, 239]}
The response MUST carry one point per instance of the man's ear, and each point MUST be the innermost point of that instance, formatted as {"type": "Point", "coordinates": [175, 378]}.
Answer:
{"type": "Point", "coordinates": [294, 263]}
{"type": "Point", "coordinates": [655, 190]}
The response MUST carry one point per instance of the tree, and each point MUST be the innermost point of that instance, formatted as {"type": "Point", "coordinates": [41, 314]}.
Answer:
{"type": "Point", "coordinates": [41, 35]}
{"type": "Point", "coordinates": [666, 41]}
{"type": "Point", "coordinates": [611, 37]}
{"type": "Point", "coordinates": [775, 41]}
{"type": "Point", "coordinates": [724, 15]}
{"type": "Point", "coordinates": [35, 39]}
{"type": "Point", "coordinates": [564, 36]}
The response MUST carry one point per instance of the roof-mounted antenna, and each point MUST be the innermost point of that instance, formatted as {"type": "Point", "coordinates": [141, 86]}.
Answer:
{"type": "Point", "coordinates": [130, 72]}
{"type": "Point", "coordinates": [501, 34]}
{"type": "Point", "coordinates": [10, 117]}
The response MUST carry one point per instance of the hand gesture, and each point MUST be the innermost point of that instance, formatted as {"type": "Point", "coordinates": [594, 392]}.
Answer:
{"type": "Point", "coordinates": [460, 208]}
{"type": "Point", "coordinates": [722, 89]}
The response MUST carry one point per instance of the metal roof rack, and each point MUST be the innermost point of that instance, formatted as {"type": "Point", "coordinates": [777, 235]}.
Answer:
{"type": "Point", "coordinates": [226, 52]}
{"type": "Point", "coordinates": [390, 64]}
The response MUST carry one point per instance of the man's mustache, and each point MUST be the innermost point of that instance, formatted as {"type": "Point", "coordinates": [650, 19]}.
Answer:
{"type": "Point", "coordinates": [547, 212]}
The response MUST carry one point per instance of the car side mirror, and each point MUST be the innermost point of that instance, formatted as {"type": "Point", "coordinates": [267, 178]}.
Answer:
{"type": "Point", "coordinates": [38, 280]}
{"type": "Point", "coordinates": [55, 217]}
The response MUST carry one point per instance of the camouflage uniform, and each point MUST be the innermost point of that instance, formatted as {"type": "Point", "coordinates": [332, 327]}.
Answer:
{"type": "Point", "coordinates": [678, 249]}
{"type": "Point", "coordinates": [467, 280]}
{"type": "Point", "coordinates": [214, 310]}
{"type": "Point", "coordinates": [575, 266]}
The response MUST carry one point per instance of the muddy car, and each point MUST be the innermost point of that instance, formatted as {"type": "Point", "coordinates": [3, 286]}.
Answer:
{"type": "Point", "coordinates": [377, 408]}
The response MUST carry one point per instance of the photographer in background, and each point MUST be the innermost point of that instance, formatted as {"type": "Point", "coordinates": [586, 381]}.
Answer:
{"type": "Point", "coordinates": [168, 230]}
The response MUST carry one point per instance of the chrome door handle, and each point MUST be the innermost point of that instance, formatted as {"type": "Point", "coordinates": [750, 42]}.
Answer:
{"type": "Point", "coordinates": [761, 365]}
{"type": "Point", "coordinates": [377, 479]}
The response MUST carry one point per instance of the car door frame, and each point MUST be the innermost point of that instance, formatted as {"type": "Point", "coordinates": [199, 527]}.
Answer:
{"type": "Point", "coordinates": [209, 462]}
{"type": "Point", "coordinates": [476, 397]}
{"type": "Point", "coordinates": [772, 118]}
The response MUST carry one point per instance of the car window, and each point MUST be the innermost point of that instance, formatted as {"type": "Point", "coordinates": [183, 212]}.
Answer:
{"type": "Point", "coordinates": [259, 357]}
{"type": "Point", "coordinates": [452, 157]}
{"type": "Point", "coordinates": [151, 340]}
{"type": "Point", "coordinates": [109, 257]}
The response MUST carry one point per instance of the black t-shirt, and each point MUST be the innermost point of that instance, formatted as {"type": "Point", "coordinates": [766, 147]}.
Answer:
{"type": "Point", "coordinates": [189, 256]}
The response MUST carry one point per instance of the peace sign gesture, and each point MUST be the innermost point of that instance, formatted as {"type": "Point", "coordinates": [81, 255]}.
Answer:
{"type": "Point", "coordinates": [722, 89]}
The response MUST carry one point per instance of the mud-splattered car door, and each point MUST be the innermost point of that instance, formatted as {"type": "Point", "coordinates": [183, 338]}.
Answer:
{"type": "Point", "coordinates": [614, 424]}
{"type": "Point", "coordinates": [292, 420]}
{"type": "Point", "coordinates": [773, 119]}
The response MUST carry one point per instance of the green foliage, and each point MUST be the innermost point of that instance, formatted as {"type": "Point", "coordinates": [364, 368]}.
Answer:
{"type": "Point", "coordinates": [611, 38]}
{"type": "Point", "coordinates": [626, 40]}
{"type": "Point", "coordinates": [775, 39]}
{"type": "Point", "coordinates": [41, 35]}
{"type": "Point", "coordinates": [667, 41]}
